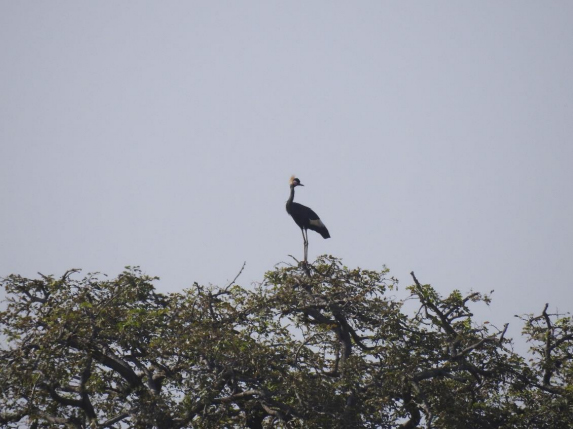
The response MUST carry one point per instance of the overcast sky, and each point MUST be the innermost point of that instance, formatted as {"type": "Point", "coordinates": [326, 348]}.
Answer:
{"type": "Point", "coordinates": [430, 136]}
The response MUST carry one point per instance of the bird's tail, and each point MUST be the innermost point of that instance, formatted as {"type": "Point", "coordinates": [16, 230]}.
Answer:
{"type": "Point", "coordinates": [324, 233]}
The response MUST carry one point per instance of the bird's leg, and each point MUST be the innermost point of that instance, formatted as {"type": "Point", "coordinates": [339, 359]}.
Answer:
{"type": "Point", "coordinates": [306, 239]}
{"type": "Point", "coordinates": [304, 246]}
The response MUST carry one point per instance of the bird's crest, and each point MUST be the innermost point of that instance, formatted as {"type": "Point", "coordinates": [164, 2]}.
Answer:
{"type": "Point", "coordinates": [293, 181]}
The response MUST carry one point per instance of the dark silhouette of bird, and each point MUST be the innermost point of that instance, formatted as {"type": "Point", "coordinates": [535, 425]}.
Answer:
{"type": "Point", "coordinates": [304, 217]}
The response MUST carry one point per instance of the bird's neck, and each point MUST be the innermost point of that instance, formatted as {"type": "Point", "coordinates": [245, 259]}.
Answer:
{"type": "Point", "coordinates": [290, 200]}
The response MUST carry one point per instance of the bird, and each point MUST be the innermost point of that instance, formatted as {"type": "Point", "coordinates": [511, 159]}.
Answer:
{"type": "Point", "coordinates": [304, 217]}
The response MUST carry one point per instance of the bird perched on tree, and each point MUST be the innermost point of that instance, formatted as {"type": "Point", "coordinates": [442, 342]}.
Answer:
{"type": "Point", "coordinates": [304, 217]}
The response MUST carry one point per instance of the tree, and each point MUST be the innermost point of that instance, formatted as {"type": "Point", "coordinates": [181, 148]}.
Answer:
{"type": "Point", "coordinates": [312, 346]}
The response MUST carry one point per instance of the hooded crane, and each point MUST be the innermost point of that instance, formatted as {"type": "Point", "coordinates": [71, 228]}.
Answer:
{"type": "Point", "coordinates": [304, 217]}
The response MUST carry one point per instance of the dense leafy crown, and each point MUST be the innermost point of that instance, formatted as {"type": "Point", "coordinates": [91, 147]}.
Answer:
{"type": "Point", "coordinates": [312, 346]}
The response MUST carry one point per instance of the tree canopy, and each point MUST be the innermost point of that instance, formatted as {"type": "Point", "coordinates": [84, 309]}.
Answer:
{"type": "Point", "coordinates": [312, 346]}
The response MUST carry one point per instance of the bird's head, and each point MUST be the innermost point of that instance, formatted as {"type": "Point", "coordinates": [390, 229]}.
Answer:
{"type": "Point", "coordinates": [293, 181]}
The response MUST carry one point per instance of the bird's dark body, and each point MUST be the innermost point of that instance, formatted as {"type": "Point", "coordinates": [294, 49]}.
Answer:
{"type": "Point", "coordinates": [306, 218]}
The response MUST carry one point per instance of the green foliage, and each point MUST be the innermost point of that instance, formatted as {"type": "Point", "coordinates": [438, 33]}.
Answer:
{"type": "Point", "coordinates": [318, 346]}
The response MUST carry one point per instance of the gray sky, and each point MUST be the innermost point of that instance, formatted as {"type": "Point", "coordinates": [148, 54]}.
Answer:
{"type": "Point", "coordinates": [431, 136]}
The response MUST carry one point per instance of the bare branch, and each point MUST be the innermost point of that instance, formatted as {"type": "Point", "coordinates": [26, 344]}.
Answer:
{"type": "Point", "coordinates": [444, 321]}
{"type": "Point", "coordinates": [492, 338]}
{"type": "Point", "coordinates": [240, 395]}
{"type": "Point", "coordinates": [109, 359]}
{"type": "Point", "coordinates": [226, 289]}
{"type": "Point", "coordinates": [113, 421]}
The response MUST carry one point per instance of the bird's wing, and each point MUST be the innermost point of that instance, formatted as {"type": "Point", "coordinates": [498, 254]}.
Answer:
{"type": "Point", "coordinates": [297, 208]}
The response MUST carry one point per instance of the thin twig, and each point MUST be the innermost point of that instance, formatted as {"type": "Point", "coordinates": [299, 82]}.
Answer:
{"type": "Point", "coordinates": [237, 276]}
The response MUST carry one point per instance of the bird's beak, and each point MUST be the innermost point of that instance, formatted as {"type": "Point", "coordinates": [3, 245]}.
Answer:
{"type": "Point", "coordinates": [300, 184]}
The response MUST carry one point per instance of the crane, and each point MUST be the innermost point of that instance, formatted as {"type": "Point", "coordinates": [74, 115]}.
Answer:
{"type": "Point", "coordinates": [304, 217]}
